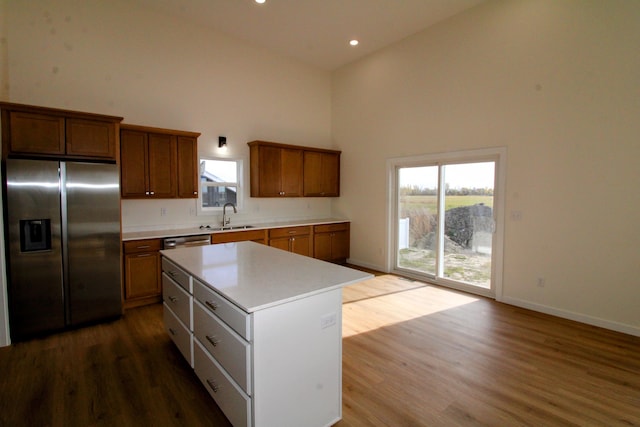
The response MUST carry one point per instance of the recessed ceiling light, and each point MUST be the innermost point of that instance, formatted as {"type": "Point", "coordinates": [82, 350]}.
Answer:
{"type": "Point", "coordinates": [260, 1]}
{"type": "Point", "coordinates": [354, 42]}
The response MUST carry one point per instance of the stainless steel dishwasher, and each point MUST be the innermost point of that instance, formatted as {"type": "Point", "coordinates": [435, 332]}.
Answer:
{"type": "Point", "coordinates": [187, 241]}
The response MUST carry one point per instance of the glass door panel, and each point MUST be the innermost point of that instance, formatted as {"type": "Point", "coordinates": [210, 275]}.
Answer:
{"type": "Point", "coordinates": [418, 218]}
{"type": "Point", "coordinates": [445, 222]}
{"type": "Point", "coordinates": [468, 223]}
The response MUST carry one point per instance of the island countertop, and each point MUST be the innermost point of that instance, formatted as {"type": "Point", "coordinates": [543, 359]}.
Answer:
{"type": "Point", "coordinates": [254, 276]}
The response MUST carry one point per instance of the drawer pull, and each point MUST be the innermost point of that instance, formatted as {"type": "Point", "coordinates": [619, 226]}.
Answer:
{"type": "Point", "coordinates": [213, 385]}
{"type": "Point", "coordinates": [214, 342]}
{"type": "Point", "coordinates": [173, 332]}
{"type": "Point", "coordinates": [143, 247]}
{"type": "Point", "coordinates": [143, 255]}
{"type": "Point", "coordinates": [212, 305]}
{"type": "Point", "coordinates": [173, 299]}
{"type": "Point", "coordinates": [171, 273]}
{"type": "Point", "coordinates": [292, 232]}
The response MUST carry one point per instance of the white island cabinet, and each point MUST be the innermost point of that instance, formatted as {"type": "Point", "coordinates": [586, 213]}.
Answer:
{"type": "Point", "coordinates": [262, 329]}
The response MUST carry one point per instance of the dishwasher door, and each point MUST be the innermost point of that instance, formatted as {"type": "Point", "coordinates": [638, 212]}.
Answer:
{"type": "Point", "coordinates": [187, 241]}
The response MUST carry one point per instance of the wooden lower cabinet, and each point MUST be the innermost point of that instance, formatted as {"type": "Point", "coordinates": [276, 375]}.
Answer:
{"type": "Point", "coordinates": [142, 284]}
{"type": "Point", "coordinates": [331, 242]}
{"type": "Point", "coordinates": [258, 236]}
{"type": "Point", "coordinates": [298, 240]}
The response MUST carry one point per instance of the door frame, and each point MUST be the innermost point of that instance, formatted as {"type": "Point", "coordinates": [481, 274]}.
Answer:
{"type": "Point", "coordinates": [496, 154]}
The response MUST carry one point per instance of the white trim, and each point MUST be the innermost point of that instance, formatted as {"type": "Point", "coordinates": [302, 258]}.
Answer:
{"type": "Point", "coordinates": [496, 154]}
{"type": "Point", "coordinates": [570, 315]}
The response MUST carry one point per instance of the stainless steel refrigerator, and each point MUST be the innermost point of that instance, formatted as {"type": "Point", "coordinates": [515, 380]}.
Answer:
{"type": "Point", "coordinates": [62, 223]}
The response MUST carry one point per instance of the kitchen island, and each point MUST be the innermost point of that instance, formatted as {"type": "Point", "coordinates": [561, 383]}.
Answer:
{"type": "Point", "coordinates": [262, 329]}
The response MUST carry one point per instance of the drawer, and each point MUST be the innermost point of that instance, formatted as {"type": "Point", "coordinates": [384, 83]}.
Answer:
{"type": "Point", "coordinates": [237, 319]}
{"type": "Point", "coordinates": [238, 236]}
{"type": "Point", "coordinates": [180, 276]}
{"type": "Point", "coordinates": [177, 299]}
{"type": "Point", "coordinates": [327, 228]}
{"type": "Point", "coordinates": [235, 404]}
{"type": "Point", "coordinates": [149, 245]}
{"type": "Point", "coordinates": [289, 231]}
{"type": "Point", "coordinates": [231, 351]}
{"type": "Point", "coordinates": [179, 333]}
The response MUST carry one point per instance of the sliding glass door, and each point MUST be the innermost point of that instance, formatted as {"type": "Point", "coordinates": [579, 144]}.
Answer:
{"type": "Point", "coordinates": [445, 221]}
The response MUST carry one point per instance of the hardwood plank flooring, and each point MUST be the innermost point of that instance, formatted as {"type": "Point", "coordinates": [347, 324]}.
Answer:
{"type": "Point", "coordinates": [427, 356]}
{"type": "Point", "coordinates": [413, 355]}
{"type": "Point", "coordinates": [123, 373]}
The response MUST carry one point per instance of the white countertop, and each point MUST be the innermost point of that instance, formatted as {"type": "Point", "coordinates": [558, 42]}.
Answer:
{"type": "Point", "coordinates": [194, 231]}
{"type": "Point", "coordinates": [255, 276]}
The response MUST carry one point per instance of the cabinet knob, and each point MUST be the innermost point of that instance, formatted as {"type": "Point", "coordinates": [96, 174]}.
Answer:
{"type": "Point", "coordinates": [146, 192]}
{"type": "Point", "coordinates": [213, 385]}
{"type": "Point", "coordinates": [152, 192]}
{"type": "Point", "coordinates": [195, 193]}
{"type": "Point", "coordinates": [213, 340]}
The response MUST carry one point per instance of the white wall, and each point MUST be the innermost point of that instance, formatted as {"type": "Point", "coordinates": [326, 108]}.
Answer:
{"type": "Point", "coordinates": [554, 81]}
{"type": "Point", "coordinates": [113, 57]}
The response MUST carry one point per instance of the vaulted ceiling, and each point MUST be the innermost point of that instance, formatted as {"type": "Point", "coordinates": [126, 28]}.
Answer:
{"type": "Point", "coordinates": [316, 31]}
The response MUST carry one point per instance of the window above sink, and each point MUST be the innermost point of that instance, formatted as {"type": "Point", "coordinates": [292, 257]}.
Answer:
{"type": "Point", "coordinates": [220, 183]}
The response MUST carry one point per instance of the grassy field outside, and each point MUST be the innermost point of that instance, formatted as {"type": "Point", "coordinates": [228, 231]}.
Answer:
{"type": "Point", "coordinates": [430, 202]}
{"type": "Point", "coordinates": [463, 264]}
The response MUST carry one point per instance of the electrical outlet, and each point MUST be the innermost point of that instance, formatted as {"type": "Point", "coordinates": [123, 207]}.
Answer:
{"type": "Point", "coordinates": [516, 215]}
{"type": "Point", "coordinates": [541, 282]}
{"type": "Point", "coordinates": [163, 211]}
{"type": "Point", "coordinates": [327, 320]}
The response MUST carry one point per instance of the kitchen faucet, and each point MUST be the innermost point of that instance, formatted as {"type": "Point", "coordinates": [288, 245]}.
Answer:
{"type": "Point", "coordinates": [225, 220]}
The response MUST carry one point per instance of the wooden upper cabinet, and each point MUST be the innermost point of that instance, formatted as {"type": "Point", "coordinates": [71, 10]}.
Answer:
{"type": "Point", "coordinates": [30, 131]}
{"type": "Point", "coordinates": [162, 166]}
{"type": "Point", "coordinates": [36, 133]}
{"type": "Point", "coordinates": [280, 170]}
{"type": "Point", "coordinates": [134, 174]}
{"type": "Point", "coordinates": [188, 168]}
{"type": "Point", "coordinates": [321, 174]}
{"type": "Point", "coordinates": [90, 138]}
{"type": "Point", "coordinates": [158, 163]}
{"type": "Point", "coordinates": [275, 171]}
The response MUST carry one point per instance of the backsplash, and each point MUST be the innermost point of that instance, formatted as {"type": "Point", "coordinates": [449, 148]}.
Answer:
{"type": "Point", "coordinates": [159, 214]}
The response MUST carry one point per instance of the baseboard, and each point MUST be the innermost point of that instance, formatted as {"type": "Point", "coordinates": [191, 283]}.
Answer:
{"type": "Point", "coordinates": [589, 320]}
{"type": "Point", "coordinates": [366, 265]}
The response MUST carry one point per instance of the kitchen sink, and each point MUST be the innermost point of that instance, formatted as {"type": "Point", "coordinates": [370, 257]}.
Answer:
{"type": "Point", "coordinates": [232, 227]}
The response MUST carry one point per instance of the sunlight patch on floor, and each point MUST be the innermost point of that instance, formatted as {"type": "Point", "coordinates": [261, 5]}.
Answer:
{"type": "Point", "coordinates": [393, 300]}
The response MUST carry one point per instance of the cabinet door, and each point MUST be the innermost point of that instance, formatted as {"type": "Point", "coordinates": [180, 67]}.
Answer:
{"type": "Point", "coordinates": [322, 246]}
{"type": "Point", "coordinates": [279, 171]}
{"type": "Point", "coordinates": [188, 170]}
{"type": "Point", "coordinates": [301, 245]}
{"type": "Point", "coordinates": [269, 172]}
{"type": "Point", "coordinates": [281, 243]}
{"type": "Point", "coordinates": [36, 133]}
{"type": "Point", "coordinates": [291, 172]}
{"type": "Point", "coordinates": [134, 175]}
{"type": "Point", "coordinates": [162, 165]}
{"type": "Point", "coordinates": [340, 246]}
{"type": "Point", "coordinates": [91, 138]}
{"type": "Point", "coordinates": [321, 174]}
{"type": "Point", "coordinates": [142, 275]}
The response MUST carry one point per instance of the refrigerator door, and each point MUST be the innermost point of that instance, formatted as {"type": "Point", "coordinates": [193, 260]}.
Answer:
{"type": "Point", "coordinates": [34, 240]}
{"type": "Point", "coordinates": [93, 241]}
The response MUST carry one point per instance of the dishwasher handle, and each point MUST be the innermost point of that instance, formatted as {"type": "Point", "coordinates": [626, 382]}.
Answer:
{"type": "Point", "coordinates": [178, 242]}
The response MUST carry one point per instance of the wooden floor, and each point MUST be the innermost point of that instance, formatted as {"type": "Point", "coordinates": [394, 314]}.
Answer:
{"type": "Point", "coordinates": [413, 355]}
